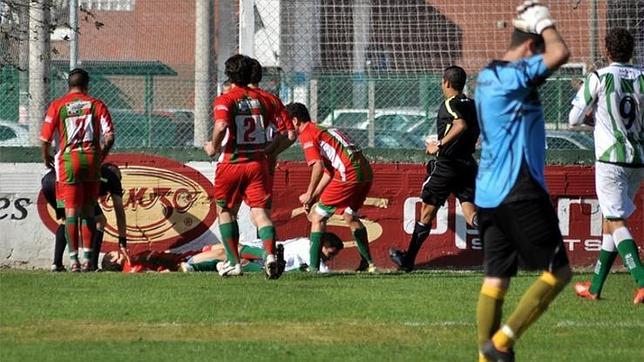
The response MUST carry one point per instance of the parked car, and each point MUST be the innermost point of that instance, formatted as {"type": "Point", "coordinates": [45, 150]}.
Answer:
{"type": "Point", "coordinates": [569, 140]}
{"type": "Point", "coordinates": [13, 135]}
{"type": "Point", "coordinates": [395, 119]}
{"type": "Point", "coordinates": [382, 138]}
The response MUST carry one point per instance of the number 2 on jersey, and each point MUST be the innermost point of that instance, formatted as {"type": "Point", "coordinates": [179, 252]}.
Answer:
{"type": "Point", "coordinates": [250, 130]}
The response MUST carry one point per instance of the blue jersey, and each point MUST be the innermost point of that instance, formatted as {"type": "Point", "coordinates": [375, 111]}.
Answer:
{"type": "Point", "coordinates": [512, 126]}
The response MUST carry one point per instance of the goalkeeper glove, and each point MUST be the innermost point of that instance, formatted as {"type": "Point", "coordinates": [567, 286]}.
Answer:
{"type": "Point", "coordinates": [532, 17]}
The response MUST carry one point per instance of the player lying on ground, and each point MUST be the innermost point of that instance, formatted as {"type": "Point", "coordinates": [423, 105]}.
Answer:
{"type": "Point", "coordinates": [241, 118]}
{"type": "Point", "coordinates": [453, 170]}
{"type": "Point", "coordinates": [296, 255]}
{"type": "Point", "coordinates": [340, 181]}
{"type": "Point", "coordinates": [80, 122]}
{"type": "Point", "coordinates": [516, 216]}
{"type": "Point", "coordinates": [110, 184]}
{"type": "Point", "coordinates": [614, 97]}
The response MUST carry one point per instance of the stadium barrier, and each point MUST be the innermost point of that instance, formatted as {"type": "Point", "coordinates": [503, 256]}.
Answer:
{"type": "Point", "coordinates": [168, 207]}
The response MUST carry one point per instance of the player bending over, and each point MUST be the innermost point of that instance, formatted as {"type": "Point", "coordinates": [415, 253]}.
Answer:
{"type": "Point", "coordinates": [516, 217]}
{"type": "Point", "coordinates": [296, 255]}
{"type": "Point", "coordinates": [110, 185]}
{"type": "Point", "coordinates": [614, 95]}
{"type": "Point", "coordinates": [241, 118]}
{"type": "Point", "coordinates": [453, 170]}
{"type": "Point", "coordinates": [340, 181]}
{"type": "Point", "coordinates": [80, 122]}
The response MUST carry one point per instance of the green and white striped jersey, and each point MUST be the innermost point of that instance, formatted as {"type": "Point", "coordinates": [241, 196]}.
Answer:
{"type": "Point", "coordinates": [615, 94]}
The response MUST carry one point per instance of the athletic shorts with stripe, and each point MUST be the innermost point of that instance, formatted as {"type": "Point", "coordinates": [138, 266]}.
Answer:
{"type": "Point", "coordinates": [342, 197]}
{"type": "Point", "coordinates": [446, 176]}
{"type": "Point", "coordinates": [247, 181]}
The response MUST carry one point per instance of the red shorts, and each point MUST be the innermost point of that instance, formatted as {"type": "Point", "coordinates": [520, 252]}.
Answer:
{"type": "Point", "coordinates": [340, 197]}
{"type": "Point", "coordinates": [247, 181]}
{"type": "Point", "coordinates": [79, 194]}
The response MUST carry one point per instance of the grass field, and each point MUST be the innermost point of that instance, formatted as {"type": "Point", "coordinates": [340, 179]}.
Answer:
{"type": "Point", "coordinates": [189, 317]}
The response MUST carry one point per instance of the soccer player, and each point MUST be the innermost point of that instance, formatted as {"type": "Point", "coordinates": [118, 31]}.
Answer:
{"type": "Point", "coordinates": [110, 184]}
{"type": "Point", "coordinates": [453, 170]}
{"type": "Point", "coordinates": [516, 217]}
{"type": "Point", "coordinates": [275, 132]}
{"type": "Point", "coordinates": [296, 254]}
{"type": "Point", "coordinates": [340, 181]}
{"type": "Point", "coordinates": [80, 121]}
{"type": "Point", "coordinates": [241, 118]}
{"type": "Point", "coordinates": [615, 96]}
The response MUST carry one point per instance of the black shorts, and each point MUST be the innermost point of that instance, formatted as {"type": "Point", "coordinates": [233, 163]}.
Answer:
{"type": "Point", "coordinates": [528, 230]}
{"type": "Point", "coordinates": [446, 176]}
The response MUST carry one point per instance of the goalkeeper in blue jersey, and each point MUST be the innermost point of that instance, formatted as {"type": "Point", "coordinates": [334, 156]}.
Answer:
{"type": "Point", "coordinates": [516, 217]}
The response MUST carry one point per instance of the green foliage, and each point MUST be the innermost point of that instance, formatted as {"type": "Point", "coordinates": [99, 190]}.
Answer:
{"type": "Point", "coordinates": [425, 316]}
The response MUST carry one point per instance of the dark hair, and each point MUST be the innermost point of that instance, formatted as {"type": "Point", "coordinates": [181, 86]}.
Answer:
{"type": "Point", "coordinates": [455, 77]}
{"type": "Point", "coordinates": [111, 266]}
{"type": "Point", "coordinates": [255, 71]}
{"type": "Point", "coordinates": [112, 168]}
{"type": "Point", "coordinates": [78, 78]}
{"type": "Point", "coordinates": [298, 110]}
{"type": "Point", "coordinates": [519, 37]}
{"type": "Point", "coordinates": [330, 240]}
{"type": "Point", "coordinates": [238, 69]}
{"type": "Point", "coordinates": [619, 45]}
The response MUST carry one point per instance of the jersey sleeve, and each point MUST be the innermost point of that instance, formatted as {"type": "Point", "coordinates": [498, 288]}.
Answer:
{"type": "Point", "coordinates": [533, 71]}
{"type": "Point", "coordinates": [282, 120]}
{"type": "Point", "coordinates": [455, 108]}
{"type": "Point", "coordinates": [584, 100]}
{"type": "Point", "coordinates": [51, 123]}
{"type": "Point", "coordinates": [311, 151]}
{"type": "Point", "coordinates": [105, 118]}
{"type": "Point", "coordinates": [222, 110]}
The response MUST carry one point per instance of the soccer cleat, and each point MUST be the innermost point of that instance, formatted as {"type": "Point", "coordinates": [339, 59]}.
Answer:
{"type": "Point", "coordinates": [76, 267]}
{"type": "Point", "coordinates": [399, 258]}
{"type": "Point", "coordinates": [492, 354]}
{"type": "Point", "coordinates": [363, 266]}
{"type": "Point", "coordinates": [271, 267]}
{"type": "Point", "coordinates": [582, 289]}
{"type": "Point", "coordinates": [639, 296]}
{"type": "Point", "coordinates": [58, 268]}
{"type": "Point", "coordinates": [186, 268]}
{"type": "Point", "coordinates": [281, 264]}
{"type": "Point", "coordinates": [371, 268]}
{"type": "Point", "coordinates": [225, 269]}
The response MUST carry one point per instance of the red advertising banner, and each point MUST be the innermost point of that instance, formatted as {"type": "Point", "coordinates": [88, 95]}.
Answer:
{"type": "Point", "coordinates": [169, 204]}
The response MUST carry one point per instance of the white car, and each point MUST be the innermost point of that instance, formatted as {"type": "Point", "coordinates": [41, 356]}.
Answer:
{"type": "Point", "coordinates": [13, 135]}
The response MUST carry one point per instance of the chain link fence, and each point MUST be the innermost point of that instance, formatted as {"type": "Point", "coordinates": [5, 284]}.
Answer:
{"type": "Point", "coordinates": [369, 67]}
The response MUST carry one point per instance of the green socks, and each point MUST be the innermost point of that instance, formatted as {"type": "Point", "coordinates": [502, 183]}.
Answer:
{"type": "Point", "coordinates": [606, 259]}
{"type": "Point", "coordinates": [314, 251]}
{"type": "Point", "coordinates": [628, 251]}
{"type": "Point", "coordinates": [362, 241]}
{"type": "Point", "coordinates": [230, 239]}
{"type": "Point", "coordinates": [267, 234]}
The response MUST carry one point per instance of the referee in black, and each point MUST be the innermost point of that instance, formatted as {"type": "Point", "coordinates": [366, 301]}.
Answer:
{"type": "Point", "coordinates": [454, 169]}
{"type": "Point", "coordinates": [110, 184]}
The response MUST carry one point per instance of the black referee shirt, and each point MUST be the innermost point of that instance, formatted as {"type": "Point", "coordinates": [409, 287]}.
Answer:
{"type": "Point", "coordinates": [459, 106]}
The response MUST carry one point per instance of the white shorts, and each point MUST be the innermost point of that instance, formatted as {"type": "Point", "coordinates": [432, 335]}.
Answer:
{"type": "Point", "coordinates": [616, 188]}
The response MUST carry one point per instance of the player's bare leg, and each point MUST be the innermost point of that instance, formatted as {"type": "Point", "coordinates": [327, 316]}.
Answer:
{"type": "Point", "coordinates": [359, 232]}
{"type": "Point", "coordinates": [469, 212]}
{"type": "Point", "coordinates": [266, 232]}
{"type": "Point", "coordinates": [406, 260]}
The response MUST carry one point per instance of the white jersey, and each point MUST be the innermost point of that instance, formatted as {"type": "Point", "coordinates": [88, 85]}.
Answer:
{"type": "Point", "coordinates": [296, 253]}
{"type": "Point", "coordinates": [617, 94]}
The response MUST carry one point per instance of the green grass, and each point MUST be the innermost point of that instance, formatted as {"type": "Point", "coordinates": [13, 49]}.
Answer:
{"type": "Point", "coordinates": [188, 317]}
